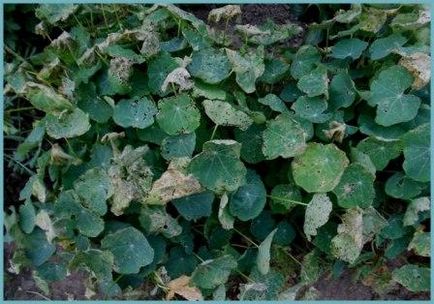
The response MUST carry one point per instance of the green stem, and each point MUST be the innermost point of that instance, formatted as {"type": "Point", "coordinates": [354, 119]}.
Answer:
{"type": "Point", "coordinates": [246, 237]}
{"type": "Point", "coordinates": [226, 28]}
{"type": "Point", "coordinates": [213, 132]}
{"type": "Point", "coordinates": [103, 14]}
{"type": "Point", "coordinates": [19, 109]}
{"type": "Point", "coordinates": [198, 257]}
{"type": "Point", "coordinates": [286, 200]}
{"type": "Point", "coordinates": [9, 50]}
{"type": "Point", "coordinates": [20, 164]}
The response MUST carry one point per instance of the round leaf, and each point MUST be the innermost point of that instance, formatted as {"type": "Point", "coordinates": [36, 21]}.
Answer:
{"type": "Point", "coordinates": [178, 115]}
{"type": "Point", "coordinates": [67, 125]}
{"type": "Point", "coordinates": [224, 114]}
{"type": "Point", "coordinates": [356, 187]}
{"type": "Point", "coordinates": [218, 167]}
{"type": "Point", "coordinates": [283, 137]}
{"type": "Point", "coordinates": [319, 168]}
{"type": "Point", "coordinates": [130, 249]}
{"type": "Point", "coordinates": [249, 200]}
{"type": "Point", "coordinates": [345, 48]}
{"type": "Point", "coordinates": [210, 65]}
{"type": "Point", "coordinates": [136, 113]}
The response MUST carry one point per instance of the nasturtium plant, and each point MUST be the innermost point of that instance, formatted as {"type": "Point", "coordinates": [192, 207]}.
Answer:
{"type": "Point", "coordinates": [218, 160]}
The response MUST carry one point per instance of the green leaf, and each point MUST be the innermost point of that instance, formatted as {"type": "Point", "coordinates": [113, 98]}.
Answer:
{"type": "Point", "coordinates": [380, 152]}
{"type": "Point", "coordinates": [368, 126]}
{"type": "Point", "coordinates": [38, 249]}
{"type": "Point", "coordinates": [178, 115]}
{"type": "Point", "coordinates": [284, 198]}
{"type": "Point", "coordinates": [99, 263]}
{"type": "Point", "coordinates": [264, 287]}
{"type": "Point", "coordinates": [158, 70]}
{"type": "Point", "coordinates": [387, 93]}
{"type": "Point", "coordinates": [413, 277]}
{"type": "Point", "coordinates": [27, 217]}
{"type": "Point", "coordinates": [262, 225]}
{"type": "Point", "coordinates": [417, 153]}
{"type": "Point", "coordinates": [283, 137]}
{"type": "Point", "coordinates": [212, 273]}
{"type": "Point", "coordinates": [95, 188]}
{"type": "Point", "coordinates": [305, 61]}
{"type": "Point", "coordinates": [130, 249]}
{"type": "Point", "coordinates": [311, 109]}
{"type": "Point", "coordinates": [314, 83]}
{"type": "Point", "coordinates": [402, 187]}
{"type": "Point", "coordinates": [195, 206]}
{"type": "Point", "coordinates": [210, 65]}
{"type": "Point", "coordinates": [319, 168]}
{"type": "Point", "coordinates": [342, 91]}
{"type": "Point", "coordinates": [251, 143]}
{"type": "Point", "coordinates": [249, 200]}
{"type": "Point", "coordinates": [421, 243]}
{"type": "Point", "coordinates": [263, 257]}
{"type": "Point", "coordinates": [247, 68]}
{"type": "Point", "coordinates": [275, 70]}
{"type": "Point", "coordinates": [382, 47]}
{"type": "Point", "coordinates": [317, 214]}
{"type": "Point", "coordinates": [178, 146]}
{"type": "Point", "coordinates": [88, 101]}
{"type": "Point", "coordinates": [345, 48]}
{"type": "Point", "coordinates": [311, 269]}
{"type": "Point", "coordinates": [136, 113]}
{"type": "Point", "coordinates": [67, 125]}
{"type": "Point", "coordinates": [218, 167]}
{"type": "Point", "coordinates": [225, 114]}
{"type": "Point", "coordinates": [53, 13]}
{"type": "Point", "coordinates": [356, 187]}
{"type": "Point", "coordinates": [274, 102]}
{"type": "Point", "coordinates": [180, 263]}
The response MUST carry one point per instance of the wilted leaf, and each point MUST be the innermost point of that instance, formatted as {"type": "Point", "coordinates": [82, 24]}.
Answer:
{"type": "Point", "coordinates": [418, 64]}
{"type": "Point", "coordinates": [181, 286]}
{"type": "Point", "coordinates": [284, 137]}
{"type": "Point", "coordinates": [67, 125]}
{"type": "Point", "coordinates": [210, 65]}
{"type": "Point", "coordinates": [135, 113]}
{"type": "Point", "coordinates": [263, 257]}
{"type": "Point", "coordinates": [413, 277]}
{"type": "Point", "coordinates": [414, 209]}
{"type": "Point", "coordinates": [225, 114]}
{"type": "Point", "coordinates": [421, 243]}
{"type": "Point", "coordinates": [317, 214]}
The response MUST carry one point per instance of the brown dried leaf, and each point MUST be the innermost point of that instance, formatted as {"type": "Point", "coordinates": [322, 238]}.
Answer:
{"type": "Point", "coordinates": [180, 286]}
{"type": "Point", "coordinates": [419, 65]}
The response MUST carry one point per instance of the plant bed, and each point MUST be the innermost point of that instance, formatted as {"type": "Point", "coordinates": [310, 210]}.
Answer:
{"type": "Point", "coordinates": [202, 152]}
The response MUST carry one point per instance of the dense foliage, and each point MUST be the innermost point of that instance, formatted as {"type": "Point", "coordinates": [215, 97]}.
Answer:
{"type": "Point", "coordinates": [220, 165]}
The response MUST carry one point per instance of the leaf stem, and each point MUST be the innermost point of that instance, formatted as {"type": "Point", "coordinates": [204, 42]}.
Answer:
{"type": "Point", "coordinates": [286, 200]}
{"type": "Point", "coordinates": [246, 237]}
{"type": "Point", "coordinates": [19, 109]}
{"type": "Point", "coordinates": [213, 132]}
{"type": "Point", "coordinates": [20, 164]}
